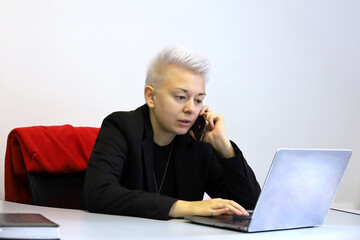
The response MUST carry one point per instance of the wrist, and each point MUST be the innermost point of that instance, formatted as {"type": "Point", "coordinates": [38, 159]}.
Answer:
{"type": "Point", "coordinates": [180, 209]}
{"type": "Point", "coordinates": [225, 148]}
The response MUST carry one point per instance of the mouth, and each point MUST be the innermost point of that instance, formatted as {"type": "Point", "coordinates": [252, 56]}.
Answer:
{"type": "Point", "coordinates": [185, 122]}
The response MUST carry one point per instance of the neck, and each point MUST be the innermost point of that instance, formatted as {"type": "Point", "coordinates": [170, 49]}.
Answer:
{"type": "Point", "coordinates": [161, 137]}
{"type": "Point", "coordinates": [162, 141]}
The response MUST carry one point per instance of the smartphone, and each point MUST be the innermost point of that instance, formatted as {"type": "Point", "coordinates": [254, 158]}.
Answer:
{"type": "Point", "coordinates": [199, 127]}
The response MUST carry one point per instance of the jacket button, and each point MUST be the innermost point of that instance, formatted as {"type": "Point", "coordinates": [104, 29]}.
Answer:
{"type": "Point", "coordinates": [154, 212]}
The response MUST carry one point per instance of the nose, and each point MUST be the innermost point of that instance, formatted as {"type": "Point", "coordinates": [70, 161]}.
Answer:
{"type": "Point", "coordinates": [189, 106]}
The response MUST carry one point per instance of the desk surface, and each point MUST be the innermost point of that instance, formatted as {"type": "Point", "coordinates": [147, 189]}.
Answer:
{"type": "Point", "coordinates": [77, 224]}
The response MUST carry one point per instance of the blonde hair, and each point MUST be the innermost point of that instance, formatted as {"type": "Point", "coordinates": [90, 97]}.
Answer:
{"type": "Point", "coordinates": [180, 57]}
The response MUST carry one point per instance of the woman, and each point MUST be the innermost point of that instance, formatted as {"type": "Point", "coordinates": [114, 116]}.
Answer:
{"type": "Point", "coordinates": [147, 163]}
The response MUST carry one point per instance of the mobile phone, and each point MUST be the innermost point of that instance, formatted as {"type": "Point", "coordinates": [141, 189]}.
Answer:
{"type": "Point", "coordinates": [199, 127]}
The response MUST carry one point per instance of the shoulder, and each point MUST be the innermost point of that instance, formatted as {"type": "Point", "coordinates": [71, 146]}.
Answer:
{"type": "Point", "coordinates": [133, 116]}
{"type": "Point", "coordinates": [126, 123]}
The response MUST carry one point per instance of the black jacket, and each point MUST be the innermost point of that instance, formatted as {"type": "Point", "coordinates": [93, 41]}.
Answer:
{"type": "Point", "coordinates": [119, 176]}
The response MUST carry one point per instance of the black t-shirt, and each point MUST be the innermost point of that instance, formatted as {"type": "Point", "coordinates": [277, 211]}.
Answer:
{"type": "Point", "coordinates": [164, 170]}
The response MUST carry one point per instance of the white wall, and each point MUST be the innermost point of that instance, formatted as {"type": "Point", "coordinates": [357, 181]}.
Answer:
{"type": "Point", "coordinates": [285, 73]}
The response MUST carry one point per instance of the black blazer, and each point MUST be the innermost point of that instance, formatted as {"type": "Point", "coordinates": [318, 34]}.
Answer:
{"type": "Point", "coordinates": [119, 176]}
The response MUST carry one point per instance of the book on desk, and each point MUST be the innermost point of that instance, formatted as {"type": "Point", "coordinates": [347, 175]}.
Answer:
{"type": "Point", "coordinates": [27, 226]}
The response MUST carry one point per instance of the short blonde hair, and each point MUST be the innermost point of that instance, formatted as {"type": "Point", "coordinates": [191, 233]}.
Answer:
{"type": "Point", "coordinates": [180, 57]}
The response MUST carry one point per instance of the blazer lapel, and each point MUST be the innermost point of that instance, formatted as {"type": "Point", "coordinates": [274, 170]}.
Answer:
{"type": "Point", "coordinates": [147, 147]}
{"type": "Point", "coordinates": [148, 161]}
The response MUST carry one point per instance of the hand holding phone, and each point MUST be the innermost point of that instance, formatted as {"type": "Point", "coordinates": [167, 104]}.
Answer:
{"type": "Point", "coordinates": [213, 126]}
{"type": "Point", "coordinates": [199, 127]}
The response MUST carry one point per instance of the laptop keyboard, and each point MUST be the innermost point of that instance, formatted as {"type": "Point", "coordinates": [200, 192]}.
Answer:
{"type": "Point", "coordinates": [242, 221]}
{"type": "Point", "coordinates": [237, 218]}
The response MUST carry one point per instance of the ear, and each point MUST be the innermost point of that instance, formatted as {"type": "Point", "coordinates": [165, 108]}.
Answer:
{"type": "Point", "coordinates": [149, 93]}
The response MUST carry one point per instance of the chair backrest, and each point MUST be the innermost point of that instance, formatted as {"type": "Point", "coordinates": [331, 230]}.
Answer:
{"type": "Point", "coordinates": [57, 190]}
{"type": "Point", "coordinates": [45, 165]}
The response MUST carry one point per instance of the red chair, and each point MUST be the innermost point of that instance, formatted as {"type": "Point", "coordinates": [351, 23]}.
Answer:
{"type": "Point", "coordinates": [45, 165]}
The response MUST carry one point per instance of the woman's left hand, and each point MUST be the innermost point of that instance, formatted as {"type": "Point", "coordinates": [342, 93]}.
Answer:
{"type": "Point", "coordinates": [215, 133]}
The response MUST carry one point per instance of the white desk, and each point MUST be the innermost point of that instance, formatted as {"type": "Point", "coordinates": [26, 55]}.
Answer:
{"type": "Point", "coordinates": [78, 225]}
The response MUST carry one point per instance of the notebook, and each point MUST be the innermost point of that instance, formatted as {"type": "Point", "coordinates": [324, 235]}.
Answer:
{"type": "Point", "coordinates": [298, 192]}
{"type": "Point", "coordinates": [27, 226]}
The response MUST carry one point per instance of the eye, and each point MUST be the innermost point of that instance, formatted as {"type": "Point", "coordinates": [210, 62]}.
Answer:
{"type": "Point", "coordinates": [198, 101]}
{"type": "Point", "coordinates": [180, 97]}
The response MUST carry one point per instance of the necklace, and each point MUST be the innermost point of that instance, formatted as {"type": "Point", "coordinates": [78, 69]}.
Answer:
{"type": "Point", "coordinates": [163, 178]}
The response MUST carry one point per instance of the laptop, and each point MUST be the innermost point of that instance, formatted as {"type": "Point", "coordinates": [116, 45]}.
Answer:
{"type": "Point", "coordinates": [298, 192]}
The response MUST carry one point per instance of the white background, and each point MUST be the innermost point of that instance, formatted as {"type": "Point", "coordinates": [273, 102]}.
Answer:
{"type": "Point", "coordinates": [284, 73]}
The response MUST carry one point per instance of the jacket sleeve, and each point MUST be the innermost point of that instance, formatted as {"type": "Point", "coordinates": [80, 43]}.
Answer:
{"type": "Point", "coordinates": [233, 179]}
{"type": "Point", "coordinates": [103, 192]}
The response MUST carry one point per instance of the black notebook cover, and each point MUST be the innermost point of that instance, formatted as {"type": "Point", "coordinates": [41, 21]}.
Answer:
{"type": "Point", "coordinates": [27, 226]}
{"type": "Point", "coordinates": [25, 220]}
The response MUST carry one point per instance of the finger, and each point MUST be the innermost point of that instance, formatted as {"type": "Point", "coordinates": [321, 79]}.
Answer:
{"type": "Point", "coordinates": [238, 212]}
{"type": "Point", "coordinates": [204, 110]}
{"type": "Point", "coordinates": [232, 206]}
{"type": "Point", "coordinates": [207, 110]}
{"type": "Point", "coordinates": [237, 208]}
{"type": "Point", "coordinates": [212, 119]}
{"type": "Point", "coordinates": [208, 117]}
{"type": "Point", "coordinates": [219, 212]}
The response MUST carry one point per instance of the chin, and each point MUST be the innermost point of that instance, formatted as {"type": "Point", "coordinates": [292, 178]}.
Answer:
{"type": "Point", "coordinates": [182, 131]}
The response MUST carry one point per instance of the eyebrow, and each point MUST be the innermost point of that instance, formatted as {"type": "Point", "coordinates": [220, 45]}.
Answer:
{"type": "Point", "coordinates": [186, 91]}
